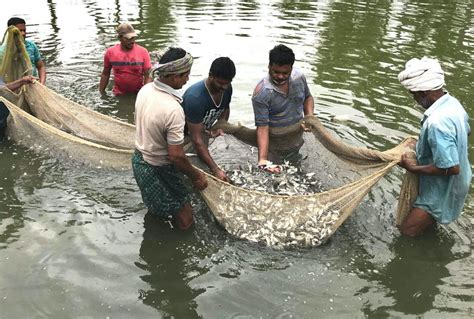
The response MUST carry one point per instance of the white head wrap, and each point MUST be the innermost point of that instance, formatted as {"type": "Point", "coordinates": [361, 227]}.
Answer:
{"type": "Point", "coordinates": [422, 75]}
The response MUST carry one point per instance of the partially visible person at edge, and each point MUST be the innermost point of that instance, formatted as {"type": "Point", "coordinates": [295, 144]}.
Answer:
{"type": "Point", "coordinates": [129, 62]}
{"type": "Point", "coordinates": [442, 162]}
{"type": "Point", "coordinates": [159, 160]}
{"type": "Point", "coordinates": [204, 103]}
{"type": "Point", "coordinates": [39, 68]}
{"type": "Point", "coordinates": [280, 99]}
{"type": "Point", "coordinates": [12, 86]}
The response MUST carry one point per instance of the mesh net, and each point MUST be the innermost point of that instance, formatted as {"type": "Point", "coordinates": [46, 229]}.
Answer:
{"type": "Point", "coordinates": [13, 55]}
{"type": "Point", "coordinates": [347, 173]}
{"type": "Point", "coordinates": [44, 120]}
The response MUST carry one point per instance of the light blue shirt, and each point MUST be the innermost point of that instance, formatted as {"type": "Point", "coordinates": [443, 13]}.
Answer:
{"type": "Point", "coordinates": [443, 142]}
{"type": "Point", "coordinates": [34, 54]}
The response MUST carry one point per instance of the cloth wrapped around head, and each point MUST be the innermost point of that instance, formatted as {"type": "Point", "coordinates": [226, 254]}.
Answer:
{"type": "Point", "coordinates": [179, 66]}
{"type": "Point", "coordinates": [423, 74]}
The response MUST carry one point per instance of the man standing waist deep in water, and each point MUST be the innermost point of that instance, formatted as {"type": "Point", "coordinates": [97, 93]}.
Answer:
{"type": "Point", "coordinates": [441, 151]}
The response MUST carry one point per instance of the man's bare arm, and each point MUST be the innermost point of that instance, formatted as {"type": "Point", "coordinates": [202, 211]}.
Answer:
{"type": "Point", "coordinates": [196, 131]}
{"type": "Point", "coordinates": [104, 79]}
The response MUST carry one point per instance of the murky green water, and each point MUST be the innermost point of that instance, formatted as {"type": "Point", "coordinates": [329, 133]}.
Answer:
{"type": "Point", "coordinates": [74, 242]}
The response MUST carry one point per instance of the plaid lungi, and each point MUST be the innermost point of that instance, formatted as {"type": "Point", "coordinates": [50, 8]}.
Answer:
{"type": "Point", "coordinates": [162, 187]}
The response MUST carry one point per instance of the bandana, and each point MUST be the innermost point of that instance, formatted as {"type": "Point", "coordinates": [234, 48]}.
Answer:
{"type": "Point", "coordinates": [179, 66]}
{"type": "Point", "coordinates": [422, 75]}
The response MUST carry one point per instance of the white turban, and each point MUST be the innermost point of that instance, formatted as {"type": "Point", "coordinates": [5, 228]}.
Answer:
{"type": "Point", "coordinates": [422, 75]}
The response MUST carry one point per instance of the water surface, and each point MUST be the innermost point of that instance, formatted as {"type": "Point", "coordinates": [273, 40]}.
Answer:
{"type": "Point", "coordinates": [75, 242]}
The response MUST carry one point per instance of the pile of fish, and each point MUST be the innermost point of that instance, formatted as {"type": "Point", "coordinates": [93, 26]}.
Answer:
{"type": "Point", "coordinates": [291, 181]}
{"type": "Point", "coordinates": [281, 232]}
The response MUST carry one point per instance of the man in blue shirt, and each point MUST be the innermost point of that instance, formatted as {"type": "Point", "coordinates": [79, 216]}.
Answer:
{"type": "Point", "coordinates": [39, 69]}
{"type": "Point", "coordinates": [279, 100]}
{"type": "Point", "coordinates": [441, 151]}
{"type": "Point", "coordinates": [204, 103]}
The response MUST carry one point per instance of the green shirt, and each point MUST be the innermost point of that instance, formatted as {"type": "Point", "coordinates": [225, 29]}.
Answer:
{"type": "Point", "coordinates": [34, 54]}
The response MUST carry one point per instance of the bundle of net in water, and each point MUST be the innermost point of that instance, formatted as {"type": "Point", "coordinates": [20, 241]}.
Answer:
{"type": "Point", "coordinates": [14, 59]}
{"type": "Point", "coordinates": [48, 121]}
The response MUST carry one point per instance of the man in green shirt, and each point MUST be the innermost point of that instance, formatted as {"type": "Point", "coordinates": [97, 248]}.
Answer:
{"type": "Point", "coordinates": [39, 69]}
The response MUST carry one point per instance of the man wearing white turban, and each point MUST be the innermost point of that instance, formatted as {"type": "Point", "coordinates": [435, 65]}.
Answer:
{"type": "Point", "coordinates": [159, 161]}
{"type": "Point", "coordinates": [442, 162]}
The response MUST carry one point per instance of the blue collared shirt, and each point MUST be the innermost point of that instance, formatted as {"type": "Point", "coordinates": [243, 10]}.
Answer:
{"type": "Point", "coordinates": [443, 142]}
{"type": "Point", "coordinates": [274, 108]}
{"type": "Point", "coordinates": [34, 54]}
{"type": "Point", "coordinates": [199, 107]}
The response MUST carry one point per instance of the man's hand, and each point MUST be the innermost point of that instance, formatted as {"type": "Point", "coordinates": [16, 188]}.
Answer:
{"type": "Point", "coordinates": [407, 161]}
{"type": "Point", "coordinates": [268, 166]}
{"type": "Point", "coordinates": [28, 79]}
{"type": "Point", "coordinates": [200, 181]}
{"type": "Point", "coordinates": [220, 174]}
{"type": "Point", "coordinates": [306, 127]}
{"type": "Point", "coordinates": [216, 133]}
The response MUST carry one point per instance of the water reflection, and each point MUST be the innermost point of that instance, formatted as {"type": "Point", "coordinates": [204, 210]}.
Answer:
{"type": "Point", "coordinates": [364, 46]}
{"type": "Point", "coordinates": [414, 275]}
{"type": "Point", "coordinates": [165, 253]}
{"type": "Point", "coordinates": [157, 25]}
{"type": "Point", "coordinates": [11, 217]}
{"type": "Point", "coordinates": [295, 11]}
{"type": "Point", "coordinates": [17, 177]}
{"type": "Point", "coordinates": [121, 107]}
{"type": "Point", "coordinates": [53, 40]}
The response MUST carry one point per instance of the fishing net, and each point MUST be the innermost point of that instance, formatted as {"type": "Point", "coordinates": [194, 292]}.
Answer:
{"type": "Point", "coordinates": [31, 132]}
{"type": "Point", "coordinates": [78, 120]}
{"type": "Point", "coordinates": [44, 120]}
{"type": "Point", "coordinates": [346, 173]}
{"type": "Point", "coordinates": [15, 62]}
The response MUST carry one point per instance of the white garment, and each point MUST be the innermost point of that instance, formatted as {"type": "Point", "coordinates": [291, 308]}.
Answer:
{"type": "Point", "coordinates": [423, 74]}
{"type": "Point", "coordinates": [159, 121]}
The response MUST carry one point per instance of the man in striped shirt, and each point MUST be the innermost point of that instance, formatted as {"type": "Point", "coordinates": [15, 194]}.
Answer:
{"type": "Point", "coordinates": [279, 100]}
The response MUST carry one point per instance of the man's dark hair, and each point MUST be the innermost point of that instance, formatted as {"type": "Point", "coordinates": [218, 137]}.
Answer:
{"type": "Point", "coordinates": [282, 55]}
{"type": "Point", "coordinates": [172, 54]}
{"type": "Point", "coordinates": [223, 68]}
{"type": "Point", "coordinates": [15, 21]}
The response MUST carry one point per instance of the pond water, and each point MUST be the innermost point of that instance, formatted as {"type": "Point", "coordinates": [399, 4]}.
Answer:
{"type": "Point", "coordinates": [74, 241]}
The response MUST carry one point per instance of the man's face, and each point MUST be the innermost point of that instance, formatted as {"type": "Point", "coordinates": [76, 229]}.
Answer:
{"type": "Point", "coordinates": [279, 74]}
{"type": "Point", "coordinates": [421, 98]}
{"type": "Point", "coordinates": [218, 84]}
{"type": "Point", "coordinates": [180, 80]}
{"type": "Point", "coordinates": [22, 28]}
{"type": "Point", "coordinates": [126, 42]}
